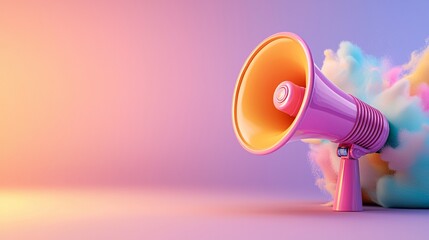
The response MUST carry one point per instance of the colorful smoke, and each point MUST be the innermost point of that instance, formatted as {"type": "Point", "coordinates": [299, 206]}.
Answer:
{"type": "Point", "coordinates": [398, 175]}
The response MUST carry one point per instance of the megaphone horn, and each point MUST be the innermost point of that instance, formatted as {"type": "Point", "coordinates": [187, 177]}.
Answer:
{"type": "Point", "coordinates": [282, 96]}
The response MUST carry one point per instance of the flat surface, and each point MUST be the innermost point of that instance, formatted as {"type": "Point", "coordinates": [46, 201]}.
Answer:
{"type": "Point", "coordinates": [149, 214]}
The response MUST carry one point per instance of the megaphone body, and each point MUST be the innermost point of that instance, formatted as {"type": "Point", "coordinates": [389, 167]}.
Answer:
{"type": "Point", "coordinates": [282, 96]}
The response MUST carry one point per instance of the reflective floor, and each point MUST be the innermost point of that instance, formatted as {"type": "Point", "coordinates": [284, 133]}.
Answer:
{"type": "Point", "coordinates": [156, 214]}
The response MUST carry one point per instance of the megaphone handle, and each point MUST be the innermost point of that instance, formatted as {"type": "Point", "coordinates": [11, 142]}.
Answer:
{"type": "Point", "coordinates": [348, 194]}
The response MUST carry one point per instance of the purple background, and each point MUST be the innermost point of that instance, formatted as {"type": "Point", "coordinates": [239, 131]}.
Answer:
{"type": "Point", "coordinates": [112, 110]}
{"type": "Point", "coordinates": [132, 93]}
{"type": "Point", "coordinates": [208, 43]}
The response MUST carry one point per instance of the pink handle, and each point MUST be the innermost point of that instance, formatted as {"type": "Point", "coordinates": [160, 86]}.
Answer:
{"type": "Point", "coordinates": [348, 195]}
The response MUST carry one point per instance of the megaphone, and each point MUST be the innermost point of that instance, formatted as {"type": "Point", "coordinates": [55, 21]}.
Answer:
{"type": "Point", "coordinates": [282, 96]}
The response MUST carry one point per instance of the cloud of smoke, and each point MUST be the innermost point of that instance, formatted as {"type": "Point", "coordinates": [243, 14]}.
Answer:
{"type": "Point", "coordinates": [398, 175]}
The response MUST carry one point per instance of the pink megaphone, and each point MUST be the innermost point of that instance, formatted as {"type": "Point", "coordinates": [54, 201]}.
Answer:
{"type": "Point", "coordinates": [282, 96]}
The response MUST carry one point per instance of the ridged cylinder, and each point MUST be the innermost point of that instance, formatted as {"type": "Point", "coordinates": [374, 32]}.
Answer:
{"type": "Point", "coordinates": [370, 130]}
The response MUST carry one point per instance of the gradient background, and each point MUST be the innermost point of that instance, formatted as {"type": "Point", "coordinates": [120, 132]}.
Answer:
{"type": "Point", "coordinates": [137, 94]}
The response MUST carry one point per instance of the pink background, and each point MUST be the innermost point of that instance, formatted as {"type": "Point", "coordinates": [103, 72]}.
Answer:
{"type": "Point", "coordinates": [139, 93]}
{"type": "Point", "coordinates": [103, 94]}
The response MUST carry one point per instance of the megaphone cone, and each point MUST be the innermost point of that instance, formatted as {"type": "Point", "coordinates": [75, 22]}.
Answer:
{"type": "Point", "coordinates": [281, 96]}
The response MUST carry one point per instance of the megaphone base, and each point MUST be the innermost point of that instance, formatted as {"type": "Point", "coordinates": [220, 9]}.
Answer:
{"type": "Point", "coordinates": [348, 195]}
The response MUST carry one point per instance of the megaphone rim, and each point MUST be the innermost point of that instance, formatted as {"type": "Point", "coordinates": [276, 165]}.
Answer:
{"type": "Point", "coordinates": [307, 96]}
